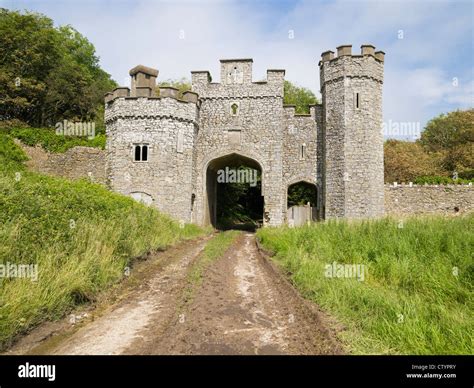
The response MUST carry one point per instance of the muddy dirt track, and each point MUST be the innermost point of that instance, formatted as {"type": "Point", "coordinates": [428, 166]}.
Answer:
{"type": "Point", "coordinates": [242, 306]}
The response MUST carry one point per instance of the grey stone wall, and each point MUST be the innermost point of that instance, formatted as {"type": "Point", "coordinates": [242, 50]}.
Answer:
{"type": "Point", "coordinates": [300, 151]}
{"type": "Point", "coordinates": [167, 126]}
{"type": "Point", "coordinates": [255, 131]}
{"type": "Point", "coordinates": [403, 200]}
{"type": "Point", "coordinates": [75, 163]}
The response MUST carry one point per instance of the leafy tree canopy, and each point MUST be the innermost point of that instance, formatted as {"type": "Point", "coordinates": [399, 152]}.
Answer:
{"type": "Point", "coordinates": [301, 193]}
{"type": "Point", "coordinates": [452, 135]}
{"type": "Point", "coordinates": [446, 147]}
{"type": "Point", "coordinates": [48, 74]}
{"type": "Point", "coordinates": [449, 130]}
{"type": "Point", "coordinates": [404, 161]}
{"type": "Point", "coordinates": [299, 96]}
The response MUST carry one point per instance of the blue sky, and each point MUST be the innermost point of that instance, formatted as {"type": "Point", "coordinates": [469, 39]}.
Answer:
{"type": "Point", "coordinates": [428, 44]}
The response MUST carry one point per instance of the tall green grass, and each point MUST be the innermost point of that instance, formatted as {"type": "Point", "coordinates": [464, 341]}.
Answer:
{"type": "Point", "coordinates": [81, 236]}
{"type": "Point", "coordinates": [417, 295]}
{"type": "Point", "coordinates": [50, 141]}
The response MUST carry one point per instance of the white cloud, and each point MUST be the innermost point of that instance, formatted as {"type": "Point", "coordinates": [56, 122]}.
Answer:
{"type": "Point", "coordinates": [417, 95]}
{"type": "Point", "coordinates": [419, 68]}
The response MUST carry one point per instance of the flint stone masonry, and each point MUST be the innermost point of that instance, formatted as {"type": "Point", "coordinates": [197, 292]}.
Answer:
{"type": "Point", "coordinates": [353, 146]}
{"type": "Point", "coordinates": [400, 200]}
{"type": "Point", "coordinates": [75, 163]}
{"type": "Point", "coordinates": [301, 134]}
{"type": "Point", "coordinates": [338, 147]}
{"type": "Point", "coordinates": [403, 200]}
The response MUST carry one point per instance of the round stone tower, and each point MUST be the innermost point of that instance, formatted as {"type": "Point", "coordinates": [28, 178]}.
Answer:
{"type": "Point", "coordinates": [353, 174]}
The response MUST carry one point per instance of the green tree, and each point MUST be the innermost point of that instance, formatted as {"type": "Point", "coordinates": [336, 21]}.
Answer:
{"type": "Point", "coordinates": [301, 193]}
{"type": "Point", "coordinates": [239, 202]}
{"type": "Point", "coordinates": [446, 145]}
{"type": "Point", "coordinates": [299, 96]}
{"type": "Point", "coordinates": [48, 74]}
{"type": "Point", "coordinates": [28, 52]}
{"type": "Point", "coordinates": [404, 161]}
{"type": "Point", "coordinates": [452, 135]}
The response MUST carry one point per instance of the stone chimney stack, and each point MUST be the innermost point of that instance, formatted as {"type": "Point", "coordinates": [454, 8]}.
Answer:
{"type": "Point", "coordinates": [143, 81]}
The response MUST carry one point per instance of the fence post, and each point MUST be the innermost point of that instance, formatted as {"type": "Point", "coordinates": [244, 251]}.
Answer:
{"type": "Point", "coordinates": [308, 212]}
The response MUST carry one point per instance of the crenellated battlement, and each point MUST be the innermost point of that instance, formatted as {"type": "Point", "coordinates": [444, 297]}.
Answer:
{"type": "Point", "coordinates": [346, 50]}
{"type": "Point", "coordinates": [290, 111]}
{"type": "Point", "coordinates": [368, 64]}
{"type": "Point", "coordinates": [236, 80]}
{"type": "Point", "coordinates": [153, 107]}
{"type": "Point", "coordinates": [118, 92]}
{"type": "Point", "coordinates": [144, 86]}
{"type": "Point", "coordinates": [169, 91]}
{"type": "Point", "coordinates": [236, 71]}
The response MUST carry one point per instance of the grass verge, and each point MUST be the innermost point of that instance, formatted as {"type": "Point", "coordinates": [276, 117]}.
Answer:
{"type": "Point", "coordinates": [80, 237]}
{"type": "Point", "coordinates": [417, 294]}
{"type": "Point", "coordinates": [50, 141]}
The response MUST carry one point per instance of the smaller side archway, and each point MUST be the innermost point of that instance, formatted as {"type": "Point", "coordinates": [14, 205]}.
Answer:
{"type": "Point", "coordinates": [302, 203]}
{"type": "Point", "coordinates": [302, 192]}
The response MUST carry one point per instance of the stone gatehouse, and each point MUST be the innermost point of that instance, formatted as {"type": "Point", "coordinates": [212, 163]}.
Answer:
{"type": "Point", "coordinates": [165, 149]}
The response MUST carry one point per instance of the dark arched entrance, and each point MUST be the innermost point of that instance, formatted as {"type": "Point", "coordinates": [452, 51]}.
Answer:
{"type": "Point", "coordinates": [302, 192]}
{"type": "Point", "coordinates": [234, 192]}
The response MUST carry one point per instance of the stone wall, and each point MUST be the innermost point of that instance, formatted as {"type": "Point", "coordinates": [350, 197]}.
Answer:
{"type": "Point", "coordinates": [254, 130]}
{"type": "Point", "coordinates": [300, 148]}
{"type": "Point", "coordinates": [167, 126]}
{"type": "Point", "coordinates": [75, 163]}
{"type": "Point", "coordinates": [405, 200]}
